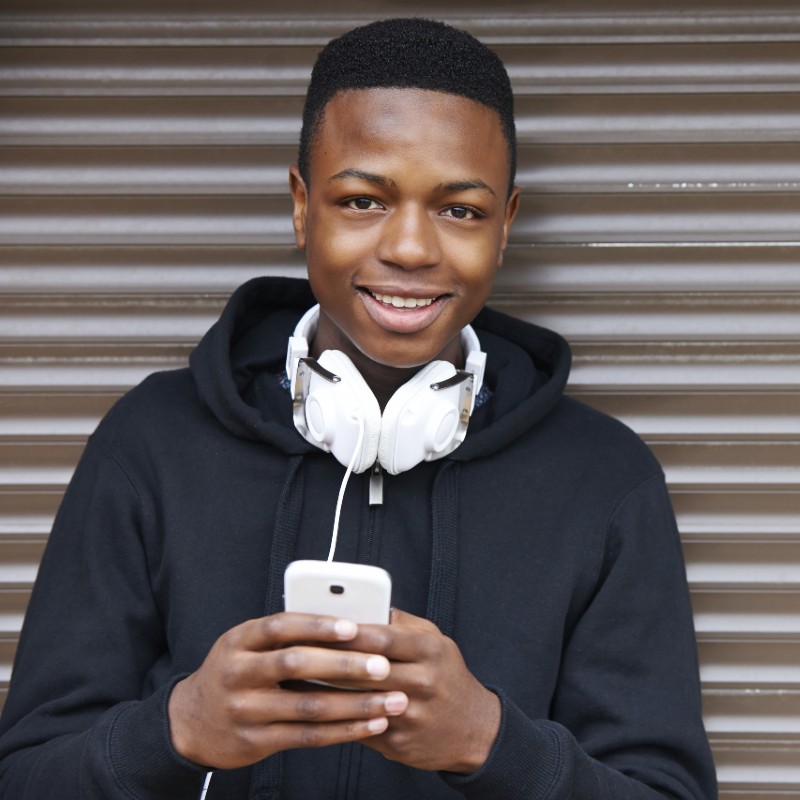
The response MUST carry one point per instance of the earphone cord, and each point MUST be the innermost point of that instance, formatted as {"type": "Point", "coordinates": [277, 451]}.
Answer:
{"type": "Point", "coordinates": [348, 472]}
{"type": "Point", "coordinates": [334, 538]}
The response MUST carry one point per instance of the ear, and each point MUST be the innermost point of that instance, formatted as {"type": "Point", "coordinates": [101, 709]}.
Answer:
{"type": "Point", "coordinates": [297, 186]}
{"type": "Point", "coordinates": [512, 206]}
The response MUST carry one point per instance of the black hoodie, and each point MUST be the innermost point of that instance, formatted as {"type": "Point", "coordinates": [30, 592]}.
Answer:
{"type": "Point", "coordinates": [544, 545]}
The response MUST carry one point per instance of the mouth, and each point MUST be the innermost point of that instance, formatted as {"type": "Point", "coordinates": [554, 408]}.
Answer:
{"type": "Point", "coordinates": [400, 302]}
{"type": "Point", "coordinates": [401, 313]}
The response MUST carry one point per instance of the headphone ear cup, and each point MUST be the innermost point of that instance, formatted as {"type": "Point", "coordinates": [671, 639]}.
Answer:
{"type": "Point", "coordinates": [336, 411]}
{"type": "Point", "coordinates": [417, 422]}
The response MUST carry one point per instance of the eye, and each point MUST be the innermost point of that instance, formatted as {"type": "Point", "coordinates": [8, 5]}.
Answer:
{"type": "Point", "coordinates": [461, 212]}
{"type": "Point", "coordinates": [363, 204]}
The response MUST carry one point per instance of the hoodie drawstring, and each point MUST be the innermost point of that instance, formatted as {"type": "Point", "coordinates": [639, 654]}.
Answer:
{"type": "Point", "coordinates": [444, 548]}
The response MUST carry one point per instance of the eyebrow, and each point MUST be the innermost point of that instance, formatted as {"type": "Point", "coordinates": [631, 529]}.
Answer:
{"type": "Point", "coordinates": [369, 177]}
{"type": "Point", "coordinates": [382, 180]}
{"type": "Point", "coordinates": [463, 186]}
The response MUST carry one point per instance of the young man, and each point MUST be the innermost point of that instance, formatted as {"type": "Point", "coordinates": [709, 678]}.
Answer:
{"type": "Point", "coordinates": [541, 644]}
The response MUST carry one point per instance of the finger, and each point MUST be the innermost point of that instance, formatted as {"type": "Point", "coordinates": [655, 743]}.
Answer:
{"type": "Point", "coordinates": [291, 735]}
{"type": "Point", "coordinates": [399, 642]}
{"type": "Point", "coordinates": [286, 705]}
{"type": "Point", "coordinates": [278, 630]}
{"type": "Point", "coordinates": [303, 662]}
{"type": "Point", "coordinates": [400, 617]}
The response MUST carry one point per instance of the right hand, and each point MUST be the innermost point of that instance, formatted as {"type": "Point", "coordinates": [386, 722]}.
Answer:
{"type": "Point", "coordinates": [233, 712]}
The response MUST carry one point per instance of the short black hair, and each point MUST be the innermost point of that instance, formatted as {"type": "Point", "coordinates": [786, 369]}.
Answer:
{"type": "Point", "coordinates": [408, 53]}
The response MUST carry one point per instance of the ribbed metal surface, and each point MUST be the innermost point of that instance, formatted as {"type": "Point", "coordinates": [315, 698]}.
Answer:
{"type": "Point", "coordinates": [143, 156]}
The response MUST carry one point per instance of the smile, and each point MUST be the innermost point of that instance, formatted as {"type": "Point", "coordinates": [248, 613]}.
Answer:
{"type": "Point", "coordinates": [403, 302]}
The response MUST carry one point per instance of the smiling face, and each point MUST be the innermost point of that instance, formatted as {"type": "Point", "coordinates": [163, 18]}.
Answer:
{"type": "Point", "coordinates": [404, 224]}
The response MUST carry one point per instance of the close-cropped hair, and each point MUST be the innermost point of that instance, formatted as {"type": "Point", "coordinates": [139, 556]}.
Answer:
{"type": "Point", "coordinates": [408, 53]}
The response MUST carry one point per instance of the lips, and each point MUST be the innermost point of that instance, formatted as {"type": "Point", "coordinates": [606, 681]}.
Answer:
{"type": "Point", "coordinates": [402, 313]}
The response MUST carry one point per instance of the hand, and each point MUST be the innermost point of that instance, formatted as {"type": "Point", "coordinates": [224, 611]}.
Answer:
{"type": "Point", "coordinates": [452, 720]}
{"type": "Point", "coordinates": [233, 712]}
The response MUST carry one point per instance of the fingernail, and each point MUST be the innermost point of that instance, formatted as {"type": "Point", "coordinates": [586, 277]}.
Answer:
{"type": "Point", "coordinates": [378, 725]}
{"type": "Point", "coordinates": [345, 628]}
{"type": "Point", "coordinates": [378, 666]}
{"type": "Point", "coordinates": [395, 703]}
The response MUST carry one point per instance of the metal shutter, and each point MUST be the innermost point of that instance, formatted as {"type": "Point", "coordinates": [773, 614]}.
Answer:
{"type": "Point", "coordinates": [143, 155]}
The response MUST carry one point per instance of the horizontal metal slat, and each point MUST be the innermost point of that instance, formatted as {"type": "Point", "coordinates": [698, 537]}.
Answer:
{"type": "Point", "coordinates": [598, 367]}
{"type": "Point", "coordinates": [262, 220]}
{"type": "Point", "coordinates": [649, 267]}
{"type": "Point", "coordinates": [701, 118]}
{"type": "Point", "coordinates": [746, 613]}
{"type": "Point", "coordinates": [749, 662]}
{"type": "Point", "coordinates": [684, 217]}
{"type": "Point", "coordinates": [27, 515]}
{"type": "Point", "coordinates": [755, 711]}
{"type": "Point", "coordinates": [151, 171]}
{"type": "Point", "coordinates": [732, 466]}
{"type": "Point", "coordinates": [105, 318]}
{"type": "Point", "coordinates": [746, 565]}
{"type": "Point", "coordinates": [685, 67]}
{"type": "Point", "coordinates": [564, 169]}
{"type": "Point", "coordinates": [607, 318]}
{"type": "Point", "coordinates": [678, 318]}
{"type": "Point", "coordinates": [153, 71]}
{"type": "Point", "coordinates": [284, 69]}
{"type": "Point", "coordinates": [663, 168]}
{"type": "Point", "coordinates": [677, 365]}
{"type": "Point", "coordinates": [247, 24]}
{"type": "Point", "coordinates": [705, 417]}
{"type": "Point", "coordinates": [19, 559]}
{"type": "Point", "coordinates": [151, 270]}
{"type": "Point", "coordinates": [709, 516]}
{"type": "Point", "coordinates": [84, 368]}
{"type": "Point", "coordinates": [13, 602]}
{"type": "Point", "coordinates": [26, 466]}
{"type": "Point", "coordinates": [576, 268]}
{"type": "Point", "coordinates": [145, 220]}
{"type": "Point", "coordinates": [118, 121]}
{"type": "Point", "coordinates": [51, 417]}
{"type": "Point", "coordinates": [256, 121]}
{"type": "Point", "coordinates": [753, 769]}
{"type": "Point", "coordinates": [727, 416]}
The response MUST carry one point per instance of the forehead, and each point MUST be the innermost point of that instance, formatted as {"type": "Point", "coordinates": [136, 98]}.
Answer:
{"type": "Point", "coordinates": [431, 128]}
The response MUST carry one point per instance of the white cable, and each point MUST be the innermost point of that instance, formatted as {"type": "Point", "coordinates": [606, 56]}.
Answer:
{"type": "Point", "coordinates": [205, 786]}
{"type": "Point", "coordinates": [356, 453]}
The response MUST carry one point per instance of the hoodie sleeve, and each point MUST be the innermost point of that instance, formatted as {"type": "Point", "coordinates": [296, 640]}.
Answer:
{"type": "Point", "coordinates": [625, 720]}
{"type": "Point", "coordinates": [77, 727]}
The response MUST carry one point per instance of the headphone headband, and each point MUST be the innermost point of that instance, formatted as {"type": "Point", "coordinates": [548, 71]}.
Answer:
{"type": "Point", "coordinates": [335, 410]}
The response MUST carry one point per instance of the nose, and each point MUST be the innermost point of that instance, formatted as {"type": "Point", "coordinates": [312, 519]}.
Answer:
{"type": "Point", "coordinates": [409, 239]}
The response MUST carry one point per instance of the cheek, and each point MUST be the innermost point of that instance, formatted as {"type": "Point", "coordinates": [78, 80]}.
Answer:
{"type": "Point", "coordinates": [336, 249]}
{"type": "Point", "coordinates": [478, 265]}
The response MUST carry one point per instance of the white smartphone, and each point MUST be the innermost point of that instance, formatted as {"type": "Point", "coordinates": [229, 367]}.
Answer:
{"type": "Point", "coordinates": [359, 592]}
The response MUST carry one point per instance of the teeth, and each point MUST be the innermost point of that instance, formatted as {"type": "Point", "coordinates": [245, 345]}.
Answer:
{"type": "Point", "coordinates": [403, 302]}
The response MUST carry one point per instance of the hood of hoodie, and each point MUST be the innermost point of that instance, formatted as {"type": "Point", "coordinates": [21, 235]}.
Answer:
{"type": "Point", "coordinates": [237, 365]}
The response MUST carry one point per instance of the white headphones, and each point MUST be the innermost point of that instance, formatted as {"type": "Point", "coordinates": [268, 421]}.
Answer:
{"type": "Point", "coordinates": [425, 419]}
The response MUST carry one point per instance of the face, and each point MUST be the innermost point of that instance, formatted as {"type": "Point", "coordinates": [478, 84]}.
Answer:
{"type": "Point", "coordinates": [404, 223]}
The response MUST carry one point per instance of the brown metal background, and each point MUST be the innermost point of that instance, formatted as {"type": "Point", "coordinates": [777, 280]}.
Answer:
{"type": "Point", "coordinates": [143, 158]}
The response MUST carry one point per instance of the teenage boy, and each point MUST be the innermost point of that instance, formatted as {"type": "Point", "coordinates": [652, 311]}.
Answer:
{"type": "Point", "coordinates": [541, 644]}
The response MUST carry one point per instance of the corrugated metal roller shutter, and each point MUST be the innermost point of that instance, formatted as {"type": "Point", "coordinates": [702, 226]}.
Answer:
{"type": "Point", "coordinates": [143, 175]}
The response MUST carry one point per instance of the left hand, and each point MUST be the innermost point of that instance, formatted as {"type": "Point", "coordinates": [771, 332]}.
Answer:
{"type": "Point", "coordinates": [452, 720]}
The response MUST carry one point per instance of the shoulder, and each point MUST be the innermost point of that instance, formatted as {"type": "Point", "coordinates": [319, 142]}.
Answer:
{"type": "Point", "coordinates": [161, 407]}
{"type": "Point", "coordinates": [596, 449]}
